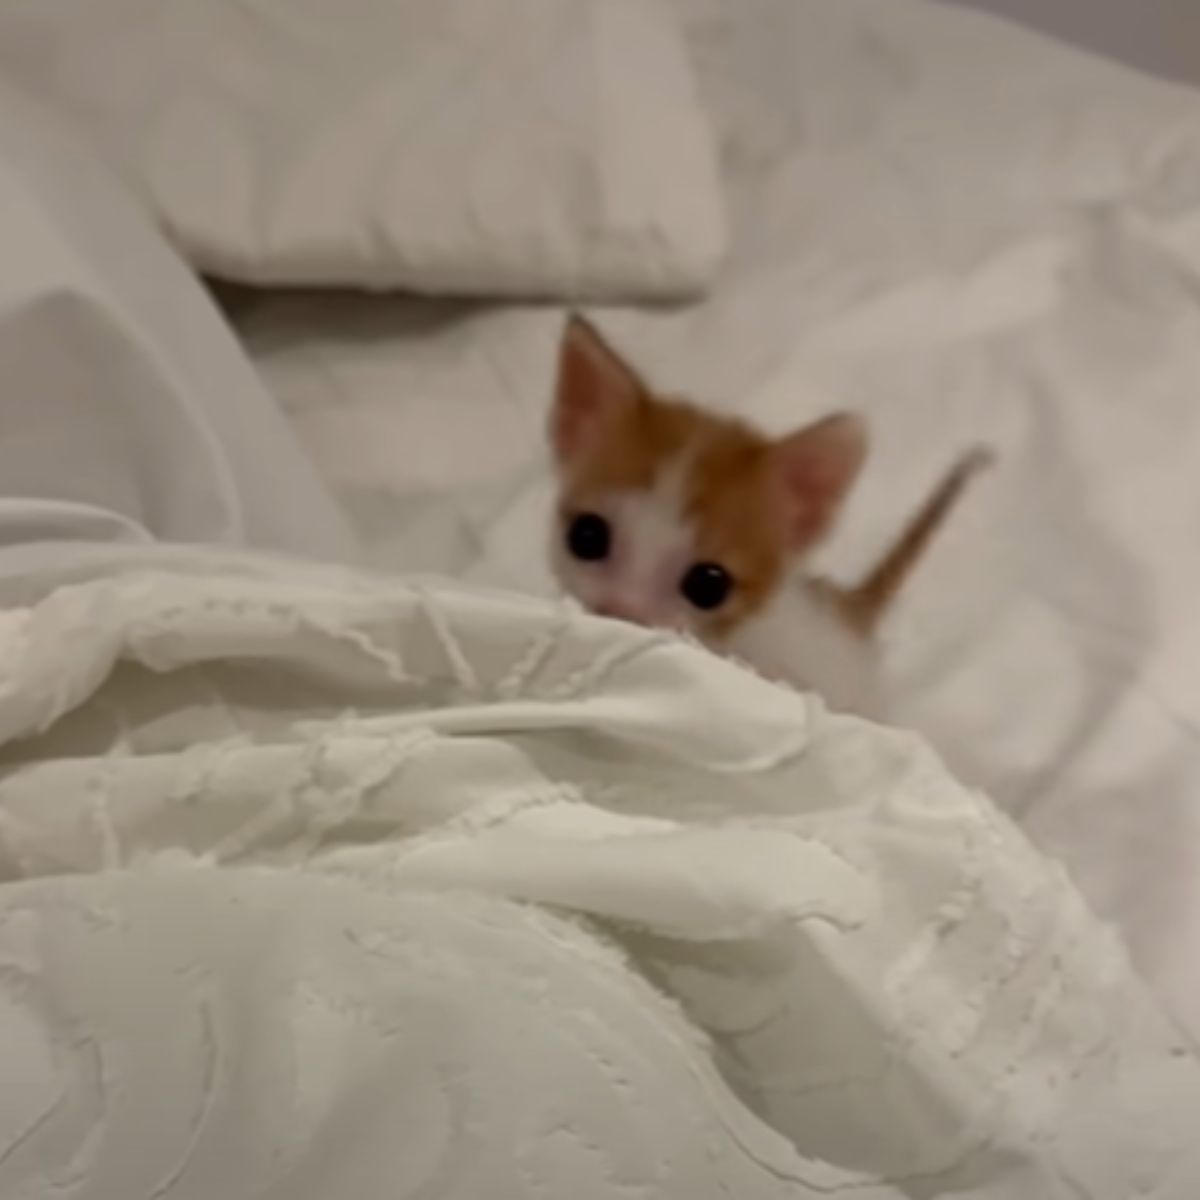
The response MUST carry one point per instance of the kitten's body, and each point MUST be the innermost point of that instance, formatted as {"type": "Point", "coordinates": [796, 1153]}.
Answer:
{"type": "Point", "coordinates": [801, 638]}
{"type": "Point", "coordinates": [676, 517]}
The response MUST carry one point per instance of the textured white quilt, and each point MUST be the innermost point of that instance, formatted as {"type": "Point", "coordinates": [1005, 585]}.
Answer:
{"type": "Point", "coordinates": [322, 886]}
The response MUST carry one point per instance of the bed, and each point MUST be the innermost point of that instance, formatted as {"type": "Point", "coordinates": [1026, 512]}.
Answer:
{"type": "Point", "coordinates": [968, 233]}
{"type": "Point", "coordinates": [776, 207]}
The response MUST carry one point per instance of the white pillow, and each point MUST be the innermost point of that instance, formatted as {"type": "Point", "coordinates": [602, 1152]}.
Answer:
{"type": "Point", "coordinates": [127, 410]}
{"type": "Point", "coordinates": [525, 147]}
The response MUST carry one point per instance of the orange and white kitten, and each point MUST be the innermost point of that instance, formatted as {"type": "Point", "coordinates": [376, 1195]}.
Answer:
{"type": "Point", "coordinates": [675, 517]}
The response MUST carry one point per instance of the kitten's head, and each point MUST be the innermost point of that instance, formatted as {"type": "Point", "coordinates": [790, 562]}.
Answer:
{"type": "Point", "coordinates": [675, 517]}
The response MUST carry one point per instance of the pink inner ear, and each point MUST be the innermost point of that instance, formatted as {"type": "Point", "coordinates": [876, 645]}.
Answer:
{"type": "Point", "coordinates": [594, 383]}
{"type": "Point", "coordinates": [818, 466]}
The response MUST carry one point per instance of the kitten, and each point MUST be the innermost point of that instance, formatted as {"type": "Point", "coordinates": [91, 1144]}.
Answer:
{"type": "Point", "coordinates": [674, 517]}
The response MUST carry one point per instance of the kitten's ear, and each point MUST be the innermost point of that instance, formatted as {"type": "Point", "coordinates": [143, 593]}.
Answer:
{"type": "Point", "coordinates": [594, 384]}
{"type": "Point", "coordinates": [818, 465]}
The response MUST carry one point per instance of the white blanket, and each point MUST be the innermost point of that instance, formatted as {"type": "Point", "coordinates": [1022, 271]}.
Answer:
{"type": "Point", "coordinates": [969, 233]}
{"type": "Point", "coordinates": [322, 886]}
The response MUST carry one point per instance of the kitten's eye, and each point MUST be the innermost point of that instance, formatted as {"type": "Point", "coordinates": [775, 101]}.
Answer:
{"type": "Point", "coordinates": [589, 537]}
{"type": "Point", "coordinates": [706, 585]}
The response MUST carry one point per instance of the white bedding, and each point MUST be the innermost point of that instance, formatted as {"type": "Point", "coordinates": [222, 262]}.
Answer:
{"type": "Point", "coordinates": [969, 233]}
{"type": "Point", "coordinates": [127, 410]}
{"type": "Point", "coordinates": [321, 886]}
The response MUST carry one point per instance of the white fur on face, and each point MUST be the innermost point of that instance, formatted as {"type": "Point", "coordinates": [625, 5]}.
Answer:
{"type": "Point", "coordinates": [653, 544]}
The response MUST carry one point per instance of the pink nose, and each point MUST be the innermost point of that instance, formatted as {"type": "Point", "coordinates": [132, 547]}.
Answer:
{"type": "Point", "coordinates": [618, 610]}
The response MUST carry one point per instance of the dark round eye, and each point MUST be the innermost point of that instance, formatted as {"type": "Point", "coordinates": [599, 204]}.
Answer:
{"type": "Point", "coordinates": [706, 585]}
{"type": "Point", "coordinates": [589, 537]}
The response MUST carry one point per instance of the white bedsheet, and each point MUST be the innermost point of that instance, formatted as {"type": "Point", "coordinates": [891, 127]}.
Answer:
{"type": "Point", "coordinates": [322, 886]}
{"type": "Point", "coordinates": [969, 233]}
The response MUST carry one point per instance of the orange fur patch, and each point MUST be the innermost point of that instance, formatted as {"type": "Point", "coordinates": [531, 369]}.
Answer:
{"type": "Point", "coordinates": [731, 491]}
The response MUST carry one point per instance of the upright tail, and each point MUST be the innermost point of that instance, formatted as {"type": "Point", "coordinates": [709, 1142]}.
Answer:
{"type": "Point", "coordinates": [866, 603]}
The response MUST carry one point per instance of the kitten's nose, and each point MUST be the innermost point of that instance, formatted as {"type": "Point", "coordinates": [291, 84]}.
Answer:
{"type": "Point", "coordinates": [619, 610]}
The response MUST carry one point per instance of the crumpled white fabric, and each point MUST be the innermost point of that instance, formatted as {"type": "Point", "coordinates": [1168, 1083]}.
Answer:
{"type": "Point", "coordinates": [466, 147]}
{"type": "Point", "coordinates": [318, 884]}
{"type": "Point", "coordinates": [127, 410]}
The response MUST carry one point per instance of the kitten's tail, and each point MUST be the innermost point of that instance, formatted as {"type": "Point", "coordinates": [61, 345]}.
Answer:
{"type": "Point", "coordinates": [866, 603]}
